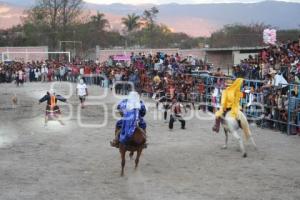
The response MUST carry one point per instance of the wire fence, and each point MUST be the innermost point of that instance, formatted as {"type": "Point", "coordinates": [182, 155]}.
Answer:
{"type": "Point", "coordinates": [275, 107]}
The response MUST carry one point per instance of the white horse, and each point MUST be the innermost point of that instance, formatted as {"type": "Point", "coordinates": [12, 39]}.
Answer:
{"type": "Point", "coordinates": [232, 125]}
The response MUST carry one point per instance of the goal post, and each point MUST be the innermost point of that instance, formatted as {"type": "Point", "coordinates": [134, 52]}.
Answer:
{"type": "Point", "coordinates": [28, 56]}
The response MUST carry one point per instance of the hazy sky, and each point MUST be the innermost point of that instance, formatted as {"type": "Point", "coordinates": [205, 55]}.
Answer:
{"type": "Point", "coordinates": [176, 1]}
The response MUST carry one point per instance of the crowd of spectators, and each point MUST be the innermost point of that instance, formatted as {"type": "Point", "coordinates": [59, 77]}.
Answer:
{"type": "Point", "coordinates": [278, 68]}
{"type": "Point", "coordinates": [172, 75]}
{"type": "Point", "coordinates": [283, 58]}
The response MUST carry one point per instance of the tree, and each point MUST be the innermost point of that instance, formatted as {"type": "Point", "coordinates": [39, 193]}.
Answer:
{"type": "Point", "coordinates": [150, 15]}
{"type": "Point", "coordinates": [238, 35]}
{"type": "Point", "coordinates": [70, 10]}
{"type": "Point", "coordinates": [285, 35]}
{"type": "Point", "coordinates": [99, 22]}
{"type": "Point", "coordinates": [96, 27]}
{"type": "Point", "coordinates": [35, 27]}
{"type": "Point", "coordinates": [131, 22]}
{"type": "Point", "coordinates": [55, 17]}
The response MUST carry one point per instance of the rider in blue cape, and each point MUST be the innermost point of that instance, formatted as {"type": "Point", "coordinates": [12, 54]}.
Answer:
{"type": "Point", "coordinates": [132, 110]}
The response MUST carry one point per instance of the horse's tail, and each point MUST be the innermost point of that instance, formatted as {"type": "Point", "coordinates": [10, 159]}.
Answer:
{"type": "Point", "coordinates": [245, 125]}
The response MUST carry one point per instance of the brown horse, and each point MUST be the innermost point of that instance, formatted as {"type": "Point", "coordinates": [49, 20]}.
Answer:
{"type": "Point", "coordinates": [137, 143]}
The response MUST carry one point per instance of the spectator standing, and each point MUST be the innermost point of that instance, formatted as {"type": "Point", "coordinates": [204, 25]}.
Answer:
{"type": "Point", "coordinates": [37, 74]}
{"type": "Point", "coordinates": [62, 72]}
{"type": "Point", "coordinates": [50, 73]}
{"type": "Point", "coordinates": [20, 77]}
{"type": "Point", "coordinates": [44, 73]}
{"type": "Point", "coordinates": [87, 74]}
{"type": "Point", "coordinates": [31, 74]}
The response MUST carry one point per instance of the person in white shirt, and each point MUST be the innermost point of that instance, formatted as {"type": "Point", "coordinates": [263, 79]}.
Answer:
{"type": "Point", "coordinates": [20, 77]}
{"type": "Point", "coordinates": [82, 92]}
{"type": "Point", "coordinates": [81, 71]}
{"type": "Point", "coordinates": [37, 74]}
{"type": "Point", "coordinates": [44, 73]}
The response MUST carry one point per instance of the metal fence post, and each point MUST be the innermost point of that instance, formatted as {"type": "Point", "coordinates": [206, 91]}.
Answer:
{"type": "Point", "coordinates": [206, 93]}
{"type": "Point", "coordinates": [289, 111]}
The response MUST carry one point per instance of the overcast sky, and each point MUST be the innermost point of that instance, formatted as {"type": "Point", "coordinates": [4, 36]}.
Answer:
{"type": "Point", "coordinates": [176, 1]}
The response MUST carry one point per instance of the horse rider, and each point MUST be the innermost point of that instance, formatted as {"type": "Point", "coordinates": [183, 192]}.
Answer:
{"type": "Point", "coordinates": [230, 102]}
{"type": "Point", "coordinates": [132, 110]}
{"type": "Point", "coordinates": [176, 114]}
{"type": "Point", "coordinates": [52, 108]}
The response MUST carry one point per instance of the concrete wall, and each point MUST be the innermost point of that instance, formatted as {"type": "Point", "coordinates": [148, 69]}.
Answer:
{"type": "Point", "coordinates": [103, 55]}
{"type": "Point", "coordinates": [237, 56]}
{"type": "Point", "coordinates": [221, 59]}
{"type": "Point", "coordinates": [26, 54]}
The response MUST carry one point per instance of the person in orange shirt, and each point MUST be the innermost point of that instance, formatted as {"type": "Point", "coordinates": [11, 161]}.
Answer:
{"type": "Point", "coordinates": [52, 109]}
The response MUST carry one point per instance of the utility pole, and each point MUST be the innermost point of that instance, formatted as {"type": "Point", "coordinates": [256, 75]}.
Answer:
{"type": "Point", "coordinates": [74, 48]}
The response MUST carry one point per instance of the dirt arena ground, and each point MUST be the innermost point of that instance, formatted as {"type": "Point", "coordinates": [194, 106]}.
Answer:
{"type": "Point", "coordinates": [76, 162]}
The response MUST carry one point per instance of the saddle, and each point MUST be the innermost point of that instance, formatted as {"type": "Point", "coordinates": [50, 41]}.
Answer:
{"type": "Point", "coordinates": [131, 144]}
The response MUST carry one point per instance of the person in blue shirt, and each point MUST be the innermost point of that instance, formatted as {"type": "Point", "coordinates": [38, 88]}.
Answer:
{"type": "Point", "coordinates": [132, 110]}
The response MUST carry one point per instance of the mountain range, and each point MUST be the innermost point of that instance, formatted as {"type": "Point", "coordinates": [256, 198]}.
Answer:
{"type": "Point", "coordinates": [193, 19]}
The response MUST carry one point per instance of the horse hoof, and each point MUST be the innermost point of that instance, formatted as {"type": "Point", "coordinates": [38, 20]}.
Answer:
{"type": "Point", "coordinates": [245, 155]}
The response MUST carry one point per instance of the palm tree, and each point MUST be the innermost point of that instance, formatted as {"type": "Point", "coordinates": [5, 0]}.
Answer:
{"type": "Point", "coordinates": [99, 21]}
{"type": "Point", "coordinates": [131, 22]}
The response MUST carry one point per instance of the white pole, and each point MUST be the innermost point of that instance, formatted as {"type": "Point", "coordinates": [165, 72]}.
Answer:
{"type": "Point", "coordinates": [69, 54]}
{"type": "Point", "coordinates": [26, 58]}
{"type": "Point", "coordinates": [7, 54]}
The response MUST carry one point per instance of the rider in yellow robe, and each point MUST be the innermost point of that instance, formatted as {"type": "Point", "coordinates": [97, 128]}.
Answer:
{"type": "Point", "coordinates": [230, 101]}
